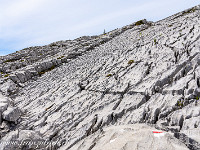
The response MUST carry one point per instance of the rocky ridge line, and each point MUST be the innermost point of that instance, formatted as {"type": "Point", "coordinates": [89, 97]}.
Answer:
{"type": "Point", "coordinates": [143, 75]}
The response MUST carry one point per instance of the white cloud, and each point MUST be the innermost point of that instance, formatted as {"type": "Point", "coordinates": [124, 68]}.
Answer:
{"type": "Point", "coordinates": [17, 10]}
{"type": "Point", "coordinates": [35, 22]}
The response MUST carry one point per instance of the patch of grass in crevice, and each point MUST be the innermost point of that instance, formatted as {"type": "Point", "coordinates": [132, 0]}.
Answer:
{"type": "Point", "coordinates": [155, 41]}
{"type": "Point", "coordinates": [130, 62]}
{"type": "Point", "coordinates": [6, 75]}
{"type": "Point", "coordinates": [140, 22]}
{"type": "Point", "coordinates": [10, 60]}
{"type": "Point", "coordinates": [60, 57]}
{"type": "Point", "coordinates": [109, 75]}
{"type": "Point", "coordinates": [189, 11]}
{"type": "Point", "coordinates": [44, 71]}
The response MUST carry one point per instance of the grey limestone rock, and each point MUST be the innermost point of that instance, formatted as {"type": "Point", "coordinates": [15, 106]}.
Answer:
{"type": "Point", "coordinates": [82, 93]}
{"type": "Point", "coordinates": [11, 114]}
{"type": "Point", "coordinates": [23, 139]}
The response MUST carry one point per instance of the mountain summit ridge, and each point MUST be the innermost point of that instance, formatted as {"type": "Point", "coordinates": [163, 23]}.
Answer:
{"type": "Point", "coordinates": [88, 93]}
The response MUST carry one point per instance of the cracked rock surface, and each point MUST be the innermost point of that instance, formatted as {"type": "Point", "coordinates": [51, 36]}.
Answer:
{"type": "Point", "coordinates": [81, 93]}
{"type": "Point", "coordinates": [128, 138]}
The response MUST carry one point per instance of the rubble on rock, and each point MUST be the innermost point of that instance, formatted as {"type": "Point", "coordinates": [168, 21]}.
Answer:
{"type": "Point", "coordinates": [68, 92]}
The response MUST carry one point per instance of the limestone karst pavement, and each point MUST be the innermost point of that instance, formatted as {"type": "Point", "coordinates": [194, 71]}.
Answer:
{"type": "Point", "coordinates": [108, 91]}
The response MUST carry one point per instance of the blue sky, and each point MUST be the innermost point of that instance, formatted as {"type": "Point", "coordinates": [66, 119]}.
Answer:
{"type": "Point", "coordinates": [25, 23]}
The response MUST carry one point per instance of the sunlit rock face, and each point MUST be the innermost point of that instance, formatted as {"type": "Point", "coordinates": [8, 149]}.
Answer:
{"type": "Point", "coordinates": [82, 93]}
{"type": "Point", "coordinates": [129, 137]}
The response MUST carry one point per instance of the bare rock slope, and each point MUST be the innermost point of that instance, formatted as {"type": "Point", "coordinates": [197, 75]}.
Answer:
{"type": "Point", "coordinates": [107, 92]}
